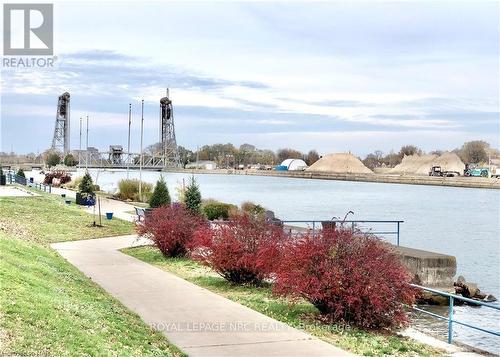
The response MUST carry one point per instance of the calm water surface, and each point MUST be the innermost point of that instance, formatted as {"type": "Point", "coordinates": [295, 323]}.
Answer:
{"type": "Point", "coordinates": [462, 222]}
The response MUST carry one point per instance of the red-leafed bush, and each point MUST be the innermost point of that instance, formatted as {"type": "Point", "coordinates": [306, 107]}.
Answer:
{"type": "Point", "coordinates": [349, 276]}
{"type": "Point", "coordinates": [61, 177]}
{"type": "Point", "coordinates": [243, 250]}
{"type": "Point", "coordinates": [171, 228]}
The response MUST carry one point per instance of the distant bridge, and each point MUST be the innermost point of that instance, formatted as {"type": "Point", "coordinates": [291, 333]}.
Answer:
{"type": "Point", "coordinates": [166, 154]}
{"type": "Point", "coordinates": [121, 160]}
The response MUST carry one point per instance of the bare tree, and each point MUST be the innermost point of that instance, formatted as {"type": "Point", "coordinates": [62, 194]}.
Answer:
{"type": "Point", "coordinates": [474, 152]}
{"type": "Point", "coordinates": [312, 157]}
{"type": "Point", "coordinates": [408, 150]}
{"type": "Point", "coordinates": [288, 153]}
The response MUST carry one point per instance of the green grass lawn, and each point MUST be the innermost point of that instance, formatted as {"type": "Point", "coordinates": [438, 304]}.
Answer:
{"type": "Point", "coordinates": [47, 306]}
{"type": "Point", "coordinates": [300, 315]}
{"type": "Point", "coordinates": [46, 219]}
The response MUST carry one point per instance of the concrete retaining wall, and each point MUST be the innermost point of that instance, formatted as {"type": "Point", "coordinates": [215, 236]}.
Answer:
{"type": "Point", "coordinates": [470, 182]}
{"type": "Point", "coordinates": [428, 268]}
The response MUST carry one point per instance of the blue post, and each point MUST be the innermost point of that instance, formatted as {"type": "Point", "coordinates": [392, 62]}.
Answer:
{"type": "Point", "coordinates": [314, 228]}
{"type": "Point", "coordinates": [398, 234]}
{"type": "Point", "coordinates": [450, 321]}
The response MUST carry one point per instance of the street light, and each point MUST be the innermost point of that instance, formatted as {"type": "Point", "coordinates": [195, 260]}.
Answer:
{"type": "Point", "coordinates": [141, 158]}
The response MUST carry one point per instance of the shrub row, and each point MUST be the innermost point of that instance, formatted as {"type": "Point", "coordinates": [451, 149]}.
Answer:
{"type": "Point", "coordinates": [171, 228]}
{"type": "Point", "coordinates": [56, 178]}
{"type": "Point", "coordinates": [241, 250]}
{"type": "Point", "coordinates": [128, 189]}
{"type": "Point", "coordinates": [215, 210]}
{"type": "Point", "coordinates": [347, 275]}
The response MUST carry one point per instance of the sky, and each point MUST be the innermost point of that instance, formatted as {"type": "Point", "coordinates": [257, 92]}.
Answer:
{"type": "Point", "coordinates": [331, 76]}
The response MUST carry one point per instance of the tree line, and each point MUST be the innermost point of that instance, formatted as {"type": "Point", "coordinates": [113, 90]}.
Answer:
{"type": "Point", "coordinates": [477, 151]}
{"type": "Point", "coordinates": [228, 155]}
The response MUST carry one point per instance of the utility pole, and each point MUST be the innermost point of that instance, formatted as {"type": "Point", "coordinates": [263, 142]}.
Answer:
{"type": "Point", "coordinates": [87, 145]}
{"type": "Point", "coordinates": [128, 147]}
{"type": "Point", "coordinates": [141, 156]}
{"type": "Point", "coordinates": [68, 133]}
{"type": "Point", "coordinates": [80, 144]}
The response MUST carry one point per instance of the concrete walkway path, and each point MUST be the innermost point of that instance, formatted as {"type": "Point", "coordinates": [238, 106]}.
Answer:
{"type": "Point", "coordinates": [196, 320]}
{"type": "Point", "coordinates": [15, 191]}
{"type": "Point", "coordinates": [120, 209]}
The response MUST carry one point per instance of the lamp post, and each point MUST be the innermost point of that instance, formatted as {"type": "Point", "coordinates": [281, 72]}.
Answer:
{"type": "Point", "coordinates": [87, 147]}
{"type": "Point", "coordinates": [80, 144]}
{"type": "Point", "coordinates": [141, 156]}
{"type": "Point", "coordinates": [128, 147]}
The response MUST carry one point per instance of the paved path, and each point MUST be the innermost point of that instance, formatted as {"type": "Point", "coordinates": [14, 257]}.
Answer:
{"type": "Point", "coordinates": [120, 209]}
{"type": "Point", "coordinates": [196, 320]}
{"type": "Point", "coordinates": [15, 191]}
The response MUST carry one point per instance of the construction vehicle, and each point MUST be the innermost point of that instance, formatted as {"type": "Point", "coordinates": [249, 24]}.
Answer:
{"type": "Point", "coordinates": [437, 171]}
{"type": "Point", "coordinates": [473, 170]}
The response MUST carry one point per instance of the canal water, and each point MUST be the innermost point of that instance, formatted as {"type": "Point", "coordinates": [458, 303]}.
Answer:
{"type": "Point", "coordinates": [463, 222]}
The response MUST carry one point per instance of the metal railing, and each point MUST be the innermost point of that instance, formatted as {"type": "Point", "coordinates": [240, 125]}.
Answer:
{"type": "Point", "coordinates": [450, 319]}
{"type": "Point", "coordinates": [122, 160]}
{"type": "Point", "coordinates": [15, 178]}
{"type": "Point", "coordinates": [40, 186]}
{"type": "Point", "coordinates": [354, 224]}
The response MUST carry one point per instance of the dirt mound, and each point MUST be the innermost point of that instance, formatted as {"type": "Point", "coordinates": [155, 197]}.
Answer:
{"type": "Point", "coordinates": [450, 161]}
{"type": "Point", "coordinates": [414, 165]}
{"type": "Point", "coordinates": [421, 164]}
{"type": "Point", "coordinates": [340, 163]}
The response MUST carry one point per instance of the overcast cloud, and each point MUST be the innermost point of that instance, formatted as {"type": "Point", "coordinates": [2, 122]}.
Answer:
{"type": "Point", "coordinates": [331, 76]}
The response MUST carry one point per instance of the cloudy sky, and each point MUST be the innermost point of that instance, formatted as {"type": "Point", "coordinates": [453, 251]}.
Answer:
{"type": "Point", "coordinates": [337, 76]}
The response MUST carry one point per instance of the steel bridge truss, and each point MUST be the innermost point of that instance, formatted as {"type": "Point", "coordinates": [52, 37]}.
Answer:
{"type": "Point", "coordinates": [168, 144]}
{"type": "Point", "coordinates": [123, 161]}
{"type": "Point", "coordinates": [60, 140]}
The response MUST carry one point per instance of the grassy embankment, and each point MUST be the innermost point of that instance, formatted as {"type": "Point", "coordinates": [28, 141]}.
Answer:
{"type": "Point", "coordinates": [301, 315]}
{"type": "Point", "coordinates": [47, 306]}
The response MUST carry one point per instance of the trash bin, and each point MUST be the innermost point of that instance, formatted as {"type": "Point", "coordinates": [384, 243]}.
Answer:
{"type": "Point", "coordinates": [329, 225]}
{"type": "Point", "coordinates": [109, 215]}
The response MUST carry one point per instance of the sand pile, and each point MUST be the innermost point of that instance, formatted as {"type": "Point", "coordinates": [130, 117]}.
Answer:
{"type": "Point", "coordinates": [414, 165]}
{"type": "Point", "coordinates": [421, 164]}
{"type": "Point", "coordinates": [340, 163]}
{"type": "Point", "coordinates": [450, 161]}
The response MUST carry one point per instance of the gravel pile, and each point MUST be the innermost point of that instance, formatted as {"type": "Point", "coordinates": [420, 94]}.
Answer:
{"type": "Point", "coordinates": [342, 163]}
{"type": "Point", "coordinates": [421, 164]}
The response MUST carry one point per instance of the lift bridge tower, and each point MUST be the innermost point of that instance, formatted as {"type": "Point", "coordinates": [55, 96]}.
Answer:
{"type": "Point", "coordinates": [61, 131]}
{"type": "Point", "coordinates": [168, 145]}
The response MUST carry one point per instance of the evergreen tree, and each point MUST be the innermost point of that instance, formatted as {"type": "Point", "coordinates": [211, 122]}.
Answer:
{"type": "Point", "coordinates": [69, 160]}
{"type": "Point", "coordinates": [86, 185]}
{"type": "Point", "coordinates": [192, 197]}
{"type": "Point", "coordinates": [20, 173]}
{"type": "Point", "coordinates": [160, 196]}
{"type": "Point", "coordinates": [53, 159]}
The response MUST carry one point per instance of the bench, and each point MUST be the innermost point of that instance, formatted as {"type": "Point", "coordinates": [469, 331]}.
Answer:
{"type": "Point", "coordinates": [141, 213]}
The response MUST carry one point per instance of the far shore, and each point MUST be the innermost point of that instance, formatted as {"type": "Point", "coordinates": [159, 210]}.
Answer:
{"type": "Point", "coordinates": [461, 181]}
